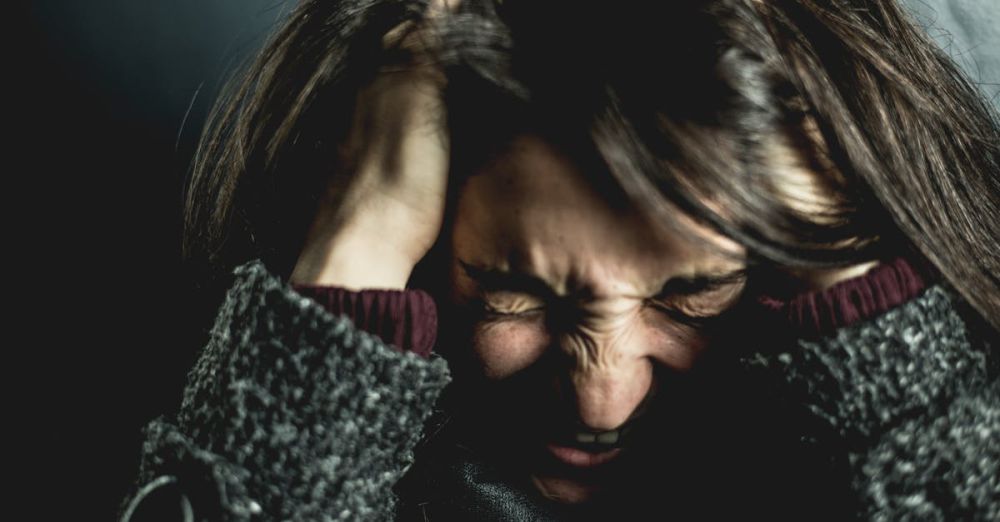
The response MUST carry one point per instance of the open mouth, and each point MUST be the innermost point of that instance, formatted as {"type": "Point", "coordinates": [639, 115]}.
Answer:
{"type": "Point", "coordinates": [557, 444]}
{"type": "Point", "coordinates": [589, 449]}
{"type": "Point", "coordinates": [582, 458]}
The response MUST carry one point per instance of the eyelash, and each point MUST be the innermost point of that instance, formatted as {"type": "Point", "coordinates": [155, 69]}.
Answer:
{"type": "Point", "coordinates": [489, 311]}
{"type": "Point", "coordinates": [694, 321]}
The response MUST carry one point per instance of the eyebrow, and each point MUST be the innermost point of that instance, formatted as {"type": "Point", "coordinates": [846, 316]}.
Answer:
{"type": "Point", "coordinates": [515, 281]}
{"type": "Point", "coordinates": [496, 279]}
{"type": "Point", "coordinates": [691, 285]}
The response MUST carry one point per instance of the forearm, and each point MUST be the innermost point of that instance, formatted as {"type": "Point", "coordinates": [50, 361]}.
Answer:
{"type": "Point", "coordinates": [935, 466]}
{"type": "Point", "coordinates": [910, 403]}
{"type": "Point", "coordinates": [292, 411]}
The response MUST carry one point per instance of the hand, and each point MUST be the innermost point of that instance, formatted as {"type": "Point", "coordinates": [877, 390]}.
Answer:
{"type": "Point", "coordinates": [370, 231]}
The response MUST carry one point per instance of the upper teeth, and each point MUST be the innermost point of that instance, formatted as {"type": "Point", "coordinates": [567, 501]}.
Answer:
{"type": "Point", "coordinates": [608, 437]}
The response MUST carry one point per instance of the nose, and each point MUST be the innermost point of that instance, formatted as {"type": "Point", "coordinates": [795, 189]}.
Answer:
{"type": "Point", "coordinates": [606, 396]}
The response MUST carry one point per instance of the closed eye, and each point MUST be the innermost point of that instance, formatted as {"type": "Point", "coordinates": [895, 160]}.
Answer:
{"type": "Point", "coordinates": [683, 286]}
{"type": "Point", "coordinates": [699, 301]}
{"type": "Point", "coordinates": [510, 307]}
{"type": "Point", "coordinates": [695, 320]}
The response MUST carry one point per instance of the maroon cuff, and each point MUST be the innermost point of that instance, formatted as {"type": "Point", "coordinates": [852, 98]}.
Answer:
{"type": "Point", "coordinates": [406, 319]}
{"type": "Point", "coordinates": [854, 300]}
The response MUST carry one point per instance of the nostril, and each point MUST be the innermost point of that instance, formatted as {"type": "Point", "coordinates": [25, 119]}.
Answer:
{"type": "Point", "coordinates": [601, 403]}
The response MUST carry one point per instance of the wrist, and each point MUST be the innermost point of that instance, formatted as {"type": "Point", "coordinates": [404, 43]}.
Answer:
{"type": "Point", "coordinates": [353, 262]}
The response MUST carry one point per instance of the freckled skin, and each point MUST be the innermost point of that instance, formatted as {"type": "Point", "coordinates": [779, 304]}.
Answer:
{"type": "Point", "coordinates": [532, 210]}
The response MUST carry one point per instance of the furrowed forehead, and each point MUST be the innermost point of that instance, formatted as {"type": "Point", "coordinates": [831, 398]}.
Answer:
{"type": "Point", "coordinates": [535, 214]}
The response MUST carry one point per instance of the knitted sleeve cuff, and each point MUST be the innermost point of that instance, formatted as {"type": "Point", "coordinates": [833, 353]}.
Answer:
{"type": "Point", "coordinates": [852, 301]}
{"type": "Point", "coordinates": [406, 319]}
{"type": "Point", "coordinates": [873, 349]}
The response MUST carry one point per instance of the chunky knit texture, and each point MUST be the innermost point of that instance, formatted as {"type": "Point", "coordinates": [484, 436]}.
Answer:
{"type": "Point", "coordinates": [914, 404]}
{"type": "Point", "coordinates": [292, 413]}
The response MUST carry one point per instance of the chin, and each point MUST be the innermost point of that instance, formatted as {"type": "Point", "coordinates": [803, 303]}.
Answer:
{"type": "Point", "coordinates": [576, 475]}
{"type": "Point", "coordinates": [548, 460]}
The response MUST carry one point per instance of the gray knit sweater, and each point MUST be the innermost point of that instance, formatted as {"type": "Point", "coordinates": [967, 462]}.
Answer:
{"type": "Point", "coordinates": [293, 414]}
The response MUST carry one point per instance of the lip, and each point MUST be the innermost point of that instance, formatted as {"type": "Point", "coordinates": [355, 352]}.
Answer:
{"type": "Point", "coordinates": [581, 458]}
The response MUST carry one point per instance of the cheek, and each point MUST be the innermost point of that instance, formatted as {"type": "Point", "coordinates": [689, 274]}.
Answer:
{"type": "Point", "coordinates": [504, 348]}
{"type": "Point", "coordinates": [673, 345]}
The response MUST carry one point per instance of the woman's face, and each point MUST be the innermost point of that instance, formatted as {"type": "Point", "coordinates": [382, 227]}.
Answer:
{"type": "Point", "coordinates": [573, 310]}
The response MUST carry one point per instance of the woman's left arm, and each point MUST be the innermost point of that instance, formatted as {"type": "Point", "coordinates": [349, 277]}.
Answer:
{"type": "Point", "coordinates": [914, 404]}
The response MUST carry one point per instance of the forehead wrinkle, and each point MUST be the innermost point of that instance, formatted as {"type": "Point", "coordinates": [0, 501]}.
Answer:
{"type": "Point", "coordinates": [537, 260]}
{"type": "Point", "coordinates": [598, 348]}
{"type": "Point", "coordinates": [594, 272]}
{"type": "Point", "coordinates": [536, 214]}
{"type": "Point", "coordinates": [604, 287]}
{"type": "Point", "coordinates": [615, 279]}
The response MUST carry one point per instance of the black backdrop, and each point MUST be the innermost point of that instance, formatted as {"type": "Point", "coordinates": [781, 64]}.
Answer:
{"type": "Point", "coordinates": [109, 99]}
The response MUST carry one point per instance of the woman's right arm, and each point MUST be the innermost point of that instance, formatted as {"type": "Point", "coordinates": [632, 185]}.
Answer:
{"type": "Point", "coordinates": [290, 412]}
{"type": "Point", "coordinates": [293, 411]}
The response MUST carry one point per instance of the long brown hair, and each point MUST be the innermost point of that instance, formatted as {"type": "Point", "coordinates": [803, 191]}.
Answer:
{"type": "Point", "coordinates": [686, 103]}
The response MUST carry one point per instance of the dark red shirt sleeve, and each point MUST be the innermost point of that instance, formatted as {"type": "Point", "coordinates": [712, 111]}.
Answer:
{"type": "Point", "coordinates": [886, 286]}
{"type": "Point", "coordinates": [406, 319]}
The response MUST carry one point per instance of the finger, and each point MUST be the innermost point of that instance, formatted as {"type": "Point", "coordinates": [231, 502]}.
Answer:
{"type": "Point", "coordinates": [436, 9]}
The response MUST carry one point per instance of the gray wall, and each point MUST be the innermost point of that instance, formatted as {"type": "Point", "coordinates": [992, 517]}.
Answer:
{"type": "Point", "coordinates": [153, 57]}
{"type": "Point", "coordinates": [969, 31]}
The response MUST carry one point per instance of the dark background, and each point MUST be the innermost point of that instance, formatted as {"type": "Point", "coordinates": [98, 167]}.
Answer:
{"type": "Point", "coordinates": [109, 99]}
{"type": "Point", "coordinates": [110, 320]}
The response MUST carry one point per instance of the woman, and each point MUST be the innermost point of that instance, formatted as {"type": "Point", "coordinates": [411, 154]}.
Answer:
{"type": "Point", "coordinates": [697, 259]}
